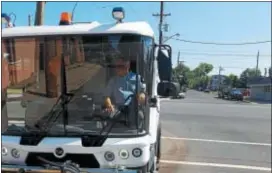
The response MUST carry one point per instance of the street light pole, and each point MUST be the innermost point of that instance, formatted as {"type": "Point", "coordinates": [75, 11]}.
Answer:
{"type": "Point", "coordinates": [168, 38]}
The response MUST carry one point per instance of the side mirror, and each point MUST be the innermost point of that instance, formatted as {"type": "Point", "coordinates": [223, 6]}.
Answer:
{"type": "Point", "coordinates": [163, 53]}
{"type": "Point", "coordinates": [167, 89]}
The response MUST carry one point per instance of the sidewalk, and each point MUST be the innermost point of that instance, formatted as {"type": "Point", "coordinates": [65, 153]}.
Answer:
{"type": "Point", "coordinates": [249, 100]}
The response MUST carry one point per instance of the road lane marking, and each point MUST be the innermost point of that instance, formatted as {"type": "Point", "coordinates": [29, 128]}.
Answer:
{"type": "Point", "coordinates": [16, 122]}
{"type": "Point", "coordinates": [216, 165]}
{"type": "Point", "coordinates": [164, 99]}
{"type": "Point", "coordinates": [217, 141]}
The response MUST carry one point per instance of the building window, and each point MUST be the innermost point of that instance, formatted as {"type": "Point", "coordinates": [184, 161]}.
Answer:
{"type": "Point", "coordinates": [267, 88]}
{"type": "Point", "coordinates": [9, 48]}
{"type": "Point", "coordinates": [51, 47]}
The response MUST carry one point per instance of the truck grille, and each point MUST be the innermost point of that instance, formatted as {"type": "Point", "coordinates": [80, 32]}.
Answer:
{"type": "Point", "coordinates": [83, 160]}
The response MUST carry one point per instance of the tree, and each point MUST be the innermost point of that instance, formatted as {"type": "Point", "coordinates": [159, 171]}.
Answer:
{"type": "Point", "coordinates": [203, 69]}
{"type": "Point", "coordinates": [233, 80]}
{"type": "Point", "coordinates": [180, 74]}
{"type": "Point", "coordinates": [192, 78]}
{"type": "Point", "coordinates": [199, 76]}
{"type": "Point", "coordinates": [251, 72]}
{"type": "Point", "coordinates": [181, 69]}
{"type": "Point", "coordinates": [246, 74]}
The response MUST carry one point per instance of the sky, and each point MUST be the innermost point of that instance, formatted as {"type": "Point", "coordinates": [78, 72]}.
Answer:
{"type": "Point", "coordinates": [223, 22]}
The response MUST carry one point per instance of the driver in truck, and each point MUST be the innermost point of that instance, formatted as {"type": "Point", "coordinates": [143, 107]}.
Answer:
{"type": "Point", "coordinates": [121, 86]}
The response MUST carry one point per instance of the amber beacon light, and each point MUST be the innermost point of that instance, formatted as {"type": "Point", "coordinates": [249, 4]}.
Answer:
{"type": "Point", "coordinates": [65, 19]}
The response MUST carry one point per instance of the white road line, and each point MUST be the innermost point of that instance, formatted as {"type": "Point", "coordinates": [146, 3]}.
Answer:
{"type": "Point", "coordinates": [218, 141]}
{"type": "Point", "coordinates": [217, 165]}
{"type": "Point", "coordinates": [16, 122]}
{"type": "Point", "coordinates": [164, 99]}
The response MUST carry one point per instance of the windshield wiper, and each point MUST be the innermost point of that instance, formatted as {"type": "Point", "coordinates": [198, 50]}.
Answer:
{"type": "Point", "coordinates": [63, 100]}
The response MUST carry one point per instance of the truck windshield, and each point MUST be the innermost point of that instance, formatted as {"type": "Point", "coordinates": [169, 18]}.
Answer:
{"type": "Point", "coordinates": [102, 72]}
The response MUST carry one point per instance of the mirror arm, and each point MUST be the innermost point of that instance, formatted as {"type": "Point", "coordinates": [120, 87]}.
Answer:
{"type": "Point", "coordinates": [153, 101]}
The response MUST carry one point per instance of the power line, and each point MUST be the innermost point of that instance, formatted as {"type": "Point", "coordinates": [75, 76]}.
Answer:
{"type": "Point", "coordinates": [209, 54]}
{"type": "Point", "coordinates": [73, 11]}
{"type": "Point", "coordinates": [216, 57]}
{"type": "Point", "coordinates": [240, 61]}
{"type": "Point", "coordinates": [216, 51]}
{"type": "Point", "coordinates": [226, 67]}
{"type": "Point", "coordinates": [222, 44]}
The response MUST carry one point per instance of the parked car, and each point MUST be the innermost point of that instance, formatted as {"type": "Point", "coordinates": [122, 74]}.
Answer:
{"type": "Point", "coordinates": [207, 90]}
{"type": "Point", "coordinates": [224, 92]}
{"type": "Point", "coordinates": [236, 95]}
{"type": "Point", "coordinates": [182, 95]}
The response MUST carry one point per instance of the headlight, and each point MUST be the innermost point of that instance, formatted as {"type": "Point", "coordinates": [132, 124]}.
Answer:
{"type": "Point", "coordinates": [137, 152]}
{"type": "Point", "coordinates": [109, 156]}
{"type": "Point", "coordinates": [4, 151]}
{"type": "Point", "coordinates": [124, 154]}
{"type": "Point", "coordinates": [15, 153]}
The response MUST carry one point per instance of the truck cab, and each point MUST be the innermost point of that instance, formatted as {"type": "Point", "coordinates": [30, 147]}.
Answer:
{"type": "Point", "coordinates": [65, 70]}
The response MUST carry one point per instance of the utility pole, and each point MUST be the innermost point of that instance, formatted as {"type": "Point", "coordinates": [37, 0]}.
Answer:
{"type": "Point", "coordinates": [161, 20]}
{"type": "Point", "coordinates": [178, 58]}
{"type": "Point", "coordinates": [29, 20]}
{"type": "Point", "coordinates": [257, 65]}
{"type": "Point", "coordinates": [38, 22]}
{"type": "Point", "coordinates": [161, 15]}
{"type": "Point", "coordinates": [39, 13]}
{"type": "Point", "coordinates": [265, 72]}
{"type": "Point", "coordinates": [219, 74]}
{"type": "Point", "coordinates": [179, 62]}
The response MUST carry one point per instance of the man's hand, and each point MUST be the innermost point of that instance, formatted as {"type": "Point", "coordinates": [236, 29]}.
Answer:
{"type": "Point", "coordinates": [141, 98]}
{"type": "Point", "coordinates": [108, 105]}
{"type": "Point", "coordinates": [110, 108]}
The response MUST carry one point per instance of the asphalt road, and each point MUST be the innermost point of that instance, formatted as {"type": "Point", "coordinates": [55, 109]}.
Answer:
{"type": "Point", "coordinates": [203, 134]}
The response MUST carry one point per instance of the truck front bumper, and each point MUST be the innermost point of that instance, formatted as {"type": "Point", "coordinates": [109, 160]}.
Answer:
{"type": "Point", "coordinates": [32, 169]}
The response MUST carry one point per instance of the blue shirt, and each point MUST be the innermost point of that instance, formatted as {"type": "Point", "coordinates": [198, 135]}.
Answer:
{"type": "Point", "coordinates": [120, 88]}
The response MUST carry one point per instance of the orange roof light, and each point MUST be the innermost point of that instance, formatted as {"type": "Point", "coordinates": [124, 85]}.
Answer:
{"type": "Point", "coordinates": [65, 18]}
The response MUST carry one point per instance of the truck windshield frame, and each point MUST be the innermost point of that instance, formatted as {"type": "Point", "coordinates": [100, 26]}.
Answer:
{"type": "Point", "coordinates": [50, 43]}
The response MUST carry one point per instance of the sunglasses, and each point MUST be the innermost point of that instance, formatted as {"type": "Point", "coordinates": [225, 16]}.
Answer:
{"type": "Point", "coordinates": [119, 66]}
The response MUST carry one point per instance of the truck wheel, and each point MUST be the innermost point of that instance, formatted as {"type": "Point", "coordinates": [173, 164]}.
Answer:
{"type": "Point", "coordinates": [145, 169]}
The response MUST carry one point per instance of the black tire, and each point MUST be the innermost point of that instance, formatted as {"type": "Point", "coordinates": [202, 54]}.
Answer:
{"type": "Point", "coordinates": [144, 169]}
